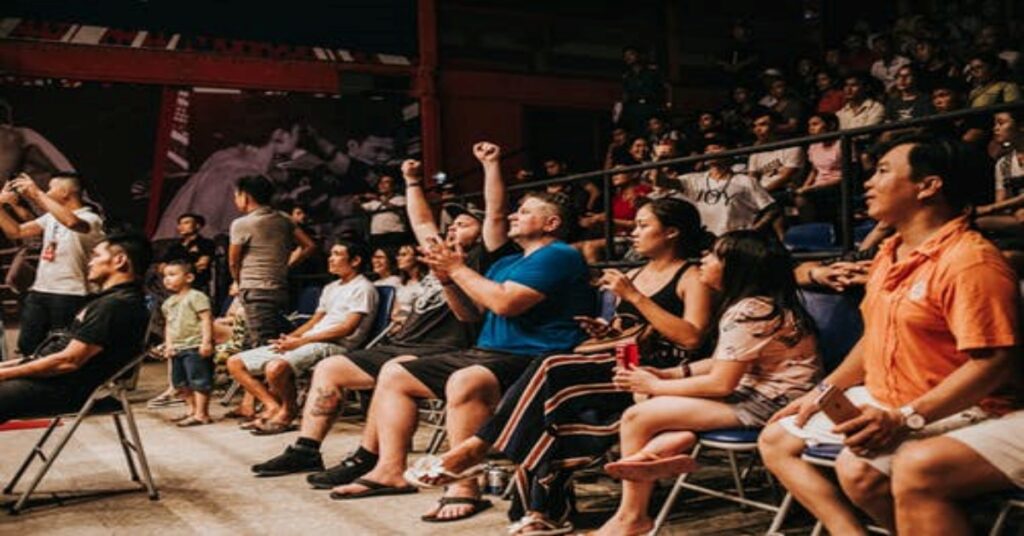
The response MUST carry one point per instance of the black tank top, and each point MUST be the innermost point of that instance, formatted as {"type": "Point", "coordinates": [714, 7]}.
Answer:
{"type": "Point", "coordinates": [666, 297]}
{"type": "Point", "coordinates": [656, 350]}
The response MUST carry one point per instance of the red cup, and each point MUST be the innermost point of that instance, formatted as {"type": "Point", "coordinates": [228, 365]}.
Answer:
{"type": "Point", "coordinates": [627, 355]}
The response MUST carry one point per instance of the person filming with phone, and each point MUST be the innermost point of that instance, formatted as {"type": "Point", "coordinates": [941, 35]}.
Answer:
{"type": "Point", "coordinates": [936, 359]}
{"type": "Point", "coordinates": [69, 229]}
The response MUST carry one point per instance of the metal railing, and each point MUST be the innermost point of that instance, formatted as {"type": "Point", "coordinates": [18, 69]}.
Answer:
{"type": "Point", "coordinates": [846, 139]}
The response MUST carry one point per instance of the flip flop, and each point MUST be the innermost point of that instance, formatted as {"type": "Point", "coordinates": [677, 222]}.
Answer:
{"type": "Point", "coordinates": [272, 428]}
{"type": "Point", "coordinates": [251, 424]}
{"type": "Point", "coordinates": [431, 467]}
{"type": "Point", "coordinates": [479, 505]}
{"type": "Point", "coordinates": [650, 470]}
{"type": "Point", "coordinates": [180, 418]}
{"type": "Point", "coordinates": [373, 489]}
{"type": "Point", "coordinates": [235, 414]}
{"type": "Point", "coordinates": [548, 528]}
{"type": "Point", "coordinates": [192, 421]}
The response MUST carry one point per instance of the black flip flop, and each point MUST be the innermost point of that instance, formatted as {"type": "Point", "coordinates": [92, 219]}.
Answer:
{"type": "Point", "coordinates": [373, 489]}
{"type": "Point", "coordinates": [479, 505]}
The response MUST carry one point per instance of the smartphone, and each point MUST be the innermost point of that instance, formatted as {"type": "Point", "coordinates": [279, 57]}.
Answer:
{"type": "Point", "coordinates": [836, 406]}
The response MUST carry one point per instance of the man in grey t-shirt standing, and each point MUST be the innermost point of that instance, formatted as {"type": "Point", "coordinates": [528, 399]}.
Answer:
{"type": "Point", "coordinates": [261, 252]}
{"type": "Point", "coordinates": [69, 230]}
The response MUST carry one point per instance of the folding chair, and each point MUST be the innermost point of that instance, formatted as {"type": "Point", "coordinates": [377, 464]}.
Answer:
{"type": "Point", "coordinates": [111, 398]}
{"type": "Point", "coordinates": [735, 442]}
{"type": "Point", "coordinates": [382, 324]}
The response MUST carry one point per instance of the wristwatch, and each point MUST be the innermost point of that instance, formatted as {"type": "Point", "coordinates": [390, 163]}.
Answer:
{"type": "Point", "coordinates": [911, 418]}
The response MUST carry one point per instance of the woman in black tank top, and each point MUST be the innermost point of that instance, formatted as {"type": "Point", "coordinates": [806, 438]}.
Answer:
{"type": "Point", "coordinates": [564, 411]}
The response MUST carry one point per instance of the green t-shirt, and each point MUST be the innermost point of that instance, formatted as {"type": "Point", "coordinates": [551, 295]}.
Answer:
{"type": "Point", "coordinates": [181, 312]}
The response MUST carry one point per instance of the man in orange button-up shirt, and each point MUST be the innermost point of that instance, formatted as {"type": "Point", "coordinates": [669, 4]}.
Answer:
{"type": "Point", "coordinates": [937, 354]}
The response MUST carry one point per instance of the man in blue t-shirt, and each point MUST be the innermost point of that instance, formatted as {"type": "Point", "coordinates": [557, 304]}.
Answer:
{"type": "Point", "coordinates": [527, 302]}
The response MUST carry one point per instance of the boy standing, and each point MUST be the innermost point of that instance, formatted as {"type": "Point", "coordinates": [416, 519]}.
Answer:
{"type": "Point", "coordinates": [188, 341]}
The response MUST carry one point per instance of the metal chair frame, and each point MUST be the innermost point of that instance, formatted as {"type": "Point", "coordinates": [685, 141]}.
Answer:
{"type": "Point", "coordinates": [116, 388]}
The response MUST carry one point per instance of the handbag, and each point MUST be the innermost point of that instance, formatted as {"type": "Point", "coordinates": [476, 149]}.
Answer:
{"type": "Point", "coordinates": [634, 334]}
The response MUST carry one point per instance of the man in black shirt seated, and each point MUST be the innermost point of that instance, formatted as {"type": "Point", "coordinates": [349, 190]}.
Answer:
{"type": "Point", "coordinates": [104, 337]}
{"type": "Point", "coordinates": [193, 248]}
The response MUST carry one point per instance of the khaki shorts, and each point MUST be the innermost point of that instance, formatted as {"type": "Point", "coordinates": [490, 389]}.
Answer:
{"type": "Point", "coordinates": [1000, 441]}
{"type": "Point", "coordinates": [818, 429]}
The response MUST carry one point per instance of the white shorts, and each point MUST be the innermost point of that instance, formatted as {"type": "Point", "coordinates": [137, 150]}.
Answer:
{"type": "Point", "coordinates": [818, 429]}
{"type": "Point", "coordinates": [301, 359]}
{"type": "Point", "coordinates": [1000, 441]}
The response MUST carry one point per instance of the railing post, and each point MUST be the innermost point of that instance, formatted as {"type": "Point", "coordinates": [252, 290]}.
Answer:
{"type": "Point", "coordinates": [609, 223]}
{"type": "Point", "coordinates": [846, 194]}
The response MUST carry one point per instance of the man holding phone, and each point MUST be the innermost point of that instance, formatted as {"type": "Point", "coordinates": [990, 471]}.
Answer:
{"type": "Point", "coordinates": [69, 229]}
{"type": "Point", "coordinates": [937, 354]}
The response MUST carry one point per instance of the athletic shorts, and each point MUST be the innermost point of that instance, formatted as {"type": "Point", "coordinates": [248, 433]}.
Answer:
{"type": "Point", "coordinates": [434, 372]}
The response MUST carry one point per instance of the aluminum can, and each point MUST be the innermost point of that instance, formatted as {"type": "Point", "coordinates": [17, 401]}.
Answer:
{"type": "Point", "coordinates": [497, 481]}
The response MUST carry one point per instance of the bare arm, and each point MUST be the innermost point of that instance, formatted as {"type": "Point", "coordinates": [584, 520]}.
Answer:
{"type": "Point", "coordinates": [235, 261]}
{"type": "Point", "coordinates": [689, 330]}
{"type": "Point", "coordinates": [68, 360]}
{"type": "Point", "coordinates": [1001, 204]}
{"type": "Point", "coordinates": [505, 299]}
{"type": "Point", "coordinates": [495, 225]}
{"type": "Point", "coordinates": [343, 329]}
{"type": "Point", "coordinates": [62, 214]}
{"type": "Point", "coordinates": [719, 381]}
{"type": "Point", "coordinates": [983, 373]}
{"type": "Point", "coordinates": [421, 218]}
{"type": "Point", "coordinates": [16, 231]}
{"type": "Point", "coordinates": [767, 216]}
{"type": "Point", "coordinates": [783, 179]}
{"type": "Point", "coordinates": [206, 326]}
{"type": "Point", "coordinates": [305, 249]}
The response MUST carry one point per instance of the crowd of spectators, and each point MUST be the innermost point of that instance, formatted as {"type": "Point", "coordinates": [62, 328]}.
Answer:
{"type": "Point", "coordinates": [496, 315]}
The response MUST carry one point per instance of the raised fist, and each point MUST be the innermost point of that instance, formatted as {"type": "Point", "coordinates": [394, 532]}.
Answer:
{"type": "Point", "coordinates": [486, 152]}
{"type": "Point", "coordinates": [412, 169]}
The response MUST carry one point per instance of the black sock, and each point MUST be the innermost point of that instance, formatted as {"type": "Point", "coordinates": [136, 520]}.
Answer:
{"type": "Point", "coordinates": [364, 454]}
{"type": "Point", "coordinates": [306, 443]}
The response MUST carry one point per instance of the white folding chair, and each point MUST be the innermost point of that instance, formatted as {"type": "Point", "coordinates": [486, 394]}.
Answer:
{"type": "Point", "coordinates": [110, 398]}
{"type": "Point", "coordinates": [735, 442]}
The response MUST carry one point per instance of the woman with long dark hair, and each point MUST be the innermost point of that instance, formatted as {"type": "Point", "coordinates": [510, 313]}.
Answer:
{"type": "Point", "coordinates": [563, 413]}
{"type": "Point", "coordinates": [766, 355]}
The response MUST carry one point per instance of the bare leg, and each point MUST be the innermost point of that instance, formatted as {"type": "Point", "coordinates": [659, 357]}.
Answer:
{"type": "Point", "coordinates": [201, 405]}
{"type": "Point", "coordinates": [370, 440]}
{"type": "Point", "coordinates": [253, 386]}
{"type": "Point", "coordinates": [867, 488]}
{"type": "Point", "coordinates": [931, 477]}
{"type": "Point", "coordinates": [640, 425]}
{"type": "Point", "coordinates": [781, 452]}
{"type": "Point", "coordinates": [472, 394]}
{"type": "Point", "coordinates": [281, 380]}
{"type": "Point", "coordinates": [394, 404]}
{"type": "Point", "coordinates": [186, 394]}
{"type": "Point", "coordinates": [330, 377]}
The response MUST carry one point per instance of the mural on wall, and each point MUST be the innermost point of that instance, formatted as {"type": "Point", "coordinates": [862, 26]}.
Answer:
{"type": "Point", "coordinates": [104, 132]}
{"type": "Point", "coordinates": [320, 152]}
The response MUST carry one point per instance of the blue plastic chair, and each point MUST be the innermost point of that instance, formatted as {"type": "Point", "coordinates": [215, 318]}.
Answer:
{"type": "Point", "coordinates": [839, 323]}
{"type": "Point", "coordinates": [810, 237]}
{"type": "Point", "coordinates": [382, 320]}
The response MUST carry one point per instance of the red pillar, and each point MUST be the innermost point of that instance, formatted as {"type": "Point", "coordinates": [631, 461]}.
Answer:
{"type": "Point", "coordinates": [426, 86]}
{"type": "Point", "coordinates": [168, 104]}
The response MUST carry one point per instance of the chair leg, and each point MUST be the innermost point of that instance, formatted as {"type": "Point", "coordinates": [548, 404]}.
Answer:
{"type": "Point", "coordinates": [818, 529]}
{"type": "Point", "coordinates": [230, 393]}
{"type": "Point", "coordinates": [780, 516]}
{"type": "Point", "coordinates": [139, 451]}
{"type": "Point", "coordinates": [126, 447]}
{"type": "Point", "coordinates": [1004, 512]}
{"type": "Point", "coordinates": [20, 504]}
{"type": "Point", "coordinates": [37, 450]}
{"type": "Point", "coordinates": [736, 477]}
{"type": "Point", "coordinates": [672, 496]}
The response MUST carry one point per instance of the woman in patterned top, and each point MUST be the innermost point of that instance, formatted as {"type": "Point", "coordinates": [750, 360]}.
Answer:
{"type": "Point", "coordinates": [766, 356]}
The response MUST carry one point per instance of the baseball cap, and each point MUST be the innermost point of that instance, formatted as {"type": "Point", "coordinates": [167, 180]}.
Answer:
{"type": "Point", "coordinates": [454, 210]}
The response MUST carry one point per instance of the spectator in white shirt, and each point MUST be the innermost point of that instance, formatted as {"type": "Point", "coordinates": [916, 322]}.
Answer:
{"type": "Point", "coordinates": [889, 63]}
{"type": "Point", "coordinates": [387, 213]}
{"type": "Point", "coordinates": [860, 110]}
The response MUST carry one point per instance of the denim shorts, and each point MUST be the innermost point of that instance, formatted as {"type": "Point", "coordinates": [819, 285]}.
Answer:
{"type": "Point", "coordinates": [189, 370]}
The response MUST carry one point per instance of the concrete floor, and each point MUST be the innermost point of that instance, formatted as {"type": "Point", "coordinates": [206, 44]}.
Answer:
{"type": "Point", "coordinates": [206, 487]}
